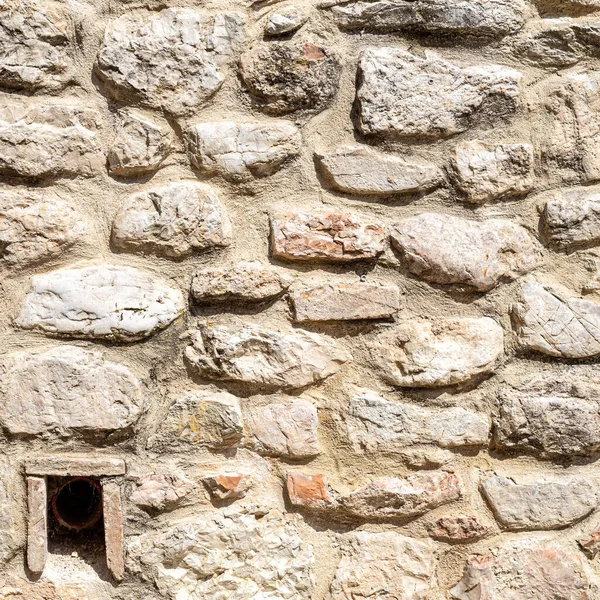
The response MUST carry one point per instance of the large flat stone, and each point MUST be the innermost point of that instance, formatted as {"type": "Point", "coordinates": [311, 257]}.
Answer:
{"type": "Point", "coordinates": [105, 302]}
{"type": "Point", "coordinates": [67, 391]}
{"type": "Point", "coordinates": [478, 255]}
{"type": "Point", "coordinates": [402, 95]}
{"type": "Point", "coordinates": [548, 319]}
{"type": "Point", "coordinates": [171, 60]}
{"type": "Point", "coordinates": [272, 359]}
{"type": "Point", "coordinates": [377, 425]}
{"type": "Point", "coordinates": [424, 353]}
{"type": "Point", "coordinates": [176, 220]}
{"type": "Point", "coordinates": [539, 505]}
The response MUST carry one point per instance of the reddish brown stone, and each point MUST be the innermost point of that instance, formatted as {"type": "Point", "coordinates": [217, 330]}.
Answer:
{"type": "Point", "coordinates": [113, 528]}
{"type": "Point", "coordinates": [37, 528]}
{"type": "Point", "coordinates": [333, 237]}
{"type": "Point", "coordinates": [309, 490]}
{"type": "Point", "coordinates": [457, 528]}
{"type": "Point", "coordinates": [228, 487]}
{"type": "Point", "coordinates": [591, 544]}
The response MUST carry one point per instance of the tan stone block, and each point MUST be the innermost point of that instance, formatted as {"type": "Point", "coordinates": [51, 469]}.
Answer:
{"type": "Point", "coordinates": [113, 528]}
{"type": "Point", "coordinates": [37, 527]}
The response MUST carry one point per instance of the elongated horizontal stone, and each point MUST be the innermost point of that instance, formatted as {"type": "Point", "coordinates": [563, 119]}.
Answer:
{"type": "Point", "coordinates": [540, 505]}
{"type": "Point", "coordinates": [248, 281]}
{"type": "Point", "coordinates": [526, 570]}
{"type": "Point", "coordinates": [378, 425]}
{"type": "Point", "coordinates": [105, 302]}
{"type": "Point", "coordinates": [345, 302]}
{"type": "Point", "coordinates": [238, 353]}
{"type": "Point", "coordinates": [35, 38]}
{"type": "Point", "coordinates": [402, 95]}
{"type": "Point", "coordinates": [287, 429]}
{"type": "Point", "coordinates": [49, 140]}
{"type": "Point", "coordinates": [485, 172]}
{"type": "Point", "coordinates": [360, 170]}
{"type": "Point", "coordinates": [175, 220]}
{"type": "Point", "coordinates": [492, 18]}
{"type": "Point", "coordinates": [75, 466]}
{"type": "Point", "coordinates": [459, 528]}
{"type": "Point", "coordinates": [334, 237]}
{"type": "Point", "coordinates": [201, 418]}
{"type": "Point", "coordinates": [571, 218]}
{"type": "Point", "coordinates": [374, 562]}
{"type": "Point", "coordinates": [172, 59]}
{"type": "Point", "coordinates": [421, 353]}
{"type": "Point", "coordinates": [242, 151]}
{"type": "Point", "coordinates": [549, 415]}
{"type": "Point", "coordinates": [67, 391]}
{"type": "Point", "coordinates": [450, 250]}
{"type": "Point", "coordinates": [549, 320]}
{"type": "Point", "coordinates": [36, 226]}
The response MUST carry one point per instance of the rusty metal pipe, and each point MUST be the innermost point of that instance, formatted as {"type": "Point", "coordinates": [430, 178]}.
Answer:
{"type": "Point", "coordinates": [77, 504]}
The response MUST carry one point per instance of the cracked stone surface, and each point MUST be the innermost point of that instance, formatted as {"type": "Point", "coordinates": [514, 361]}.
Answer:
{"type": "Point", "coordinates": [160, 492]}
{"type": "Point", "coordinates": [103, 302]}
{"type": "Point", "coordinates": [242, 151]}
{"type": "Point", "coordinates": [403, 96]}
{"type": "Point", "coordinates": [271, 359]}
{"type": "Point", "coordinates": [172, 60]}
{"type": "Point", "coordinates": [476, 254]}
{"type": "Point", "coordinates": [176, 220]}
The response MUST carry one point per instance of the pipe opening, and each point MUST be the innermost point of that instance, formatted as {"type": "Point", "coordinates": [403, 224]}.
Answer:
{"type": "Point", "coordinates": [78, 503]}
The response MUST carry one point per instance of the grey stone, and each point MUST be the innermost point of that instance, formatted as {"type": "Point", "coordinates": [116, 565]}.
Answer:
{"type": "Point", "coordinates": [539, 505]}
{"type": "Point", "coordinates": [176, 220]}
{"type": "Point", "coordinates": [472, 254]}
{"type": "Point", "coordinates": [172, 60]}
{"type": "Point", "coordinates": [270, 359]}
{"type": "Point", "coordinates": [361, 170]}
{"type": "Point", "coordinates": [284, 77]}
{"type": "Point", "coordinates": [403, 96]}
{"type": "Point", "coordinates": [285, 20]}
{"type": "Point", "coordinates": [377, 425]}
{"type": "Point", "coordinates": [242, 151]}
{"type": "Point", "coordinates": [159, 492]}
{"type": "Point", "coordinates": [67, 391]}
{"type": "Point", "coordinates": [104, 302]}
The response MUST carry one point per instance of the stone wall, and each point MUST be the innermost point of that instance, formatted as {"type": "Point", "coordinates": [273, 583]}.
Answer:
{"type": "Point", "coordinates": [311, 289]}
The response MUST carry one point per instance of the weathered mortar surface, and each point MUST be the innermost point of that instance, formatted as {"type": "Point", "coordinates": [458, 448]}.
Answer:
{"type": "Point", "coordinates": [171, 476]}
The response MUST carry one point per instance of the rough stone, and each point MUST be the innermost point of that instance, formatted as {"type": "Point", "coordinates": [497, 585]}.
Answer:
{"type": "Point", "coordinates": [35, 226]}
{"type": "Point", "coordinates": [7, 538]}
{"type": "Point", "coordinates": [284, 77]}
{"type": "Point", "coordinates": [550, 416]}
{"type": "Point", "coordinates": [269, 359]}
{"type": "Point", "coordinates": [402, 95]}
{"type": "Point", "coordinates": [112, 515]}
{"type": "Point", "coordinates": [140, 145]}
{"type": "Point", "coordinates": [549, 320]}
{"type": "Point", "coordinates": [200, 418]}
{"type": "Point", "coordinates": [228, 486]}
{"type": "Point", "coordinates": [412, 496]}
{"type": "Point", "coordinates": [311, 491]}
{"type": "Point", "coordinates": [539, 505]}
{"type": "Point", "coordinates": [104, 302]}
{"type": "Point", "coordinates": [287, 429]}
{"type": "Point", "coordinates": [567, 126]}
{"type": "Point", "coordinates": [478, 255]}
{"type": "Point", "coordinates": [248, 281]}
{"type": "Point", "coordinates": [42, 590]}
{"type": "Point", "coordinates": [571, 218]}
{"type": "Point", "coordinates": [493, 18]}
{"type": "Point", "coordinates": [49, 140]}
{"type": "Point", "coordinates": [159, 492]}
{"type": "Point", "coordinates": [175, 220]}
{"type": "Point", "coordinates": [377, 425]}
{"type": "Point", "coordinates": [345, 301]}
{"type": "Point", "coordinates": [75, 466]}
{"type": "Point", "coordinates": [485, 172]}
{"type": "Point", "coordinates": [425, 457]}
{"type": "Point", "coordinates": [242, 151]}
{"type": "Point", "coordinates": [526, 570]}
{"type": "Point", "coordinates": [67, 390]}
{"type": "Point", "coordinates": [35, 39]}
{"type": "Point", "coordinates": [37, 524]}
{"type": "Point", "coordinates": [231, 551]}
{"type": "Point", "coordinates": [334, 237]}
{"type": "Point", "coordinates": [459, 528]}
{"type": "Point", "coordinates": [383, 565]}
{"type": "Point", "coordinates": [285, 20]}
{"type": "Point", "coordinates": [591, 544]}
{"type": "Point", "coordinates": [172, 60]}
{"type": "Point", "coordinates": [361, 170]}
{"type": "Point", "coordinates": [422, 353]}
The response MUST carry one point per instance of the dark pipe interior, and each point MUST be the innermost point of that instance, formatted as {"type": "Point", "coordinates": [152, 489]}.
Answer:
{"type": "Point", "coordinates": [78, 503]}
